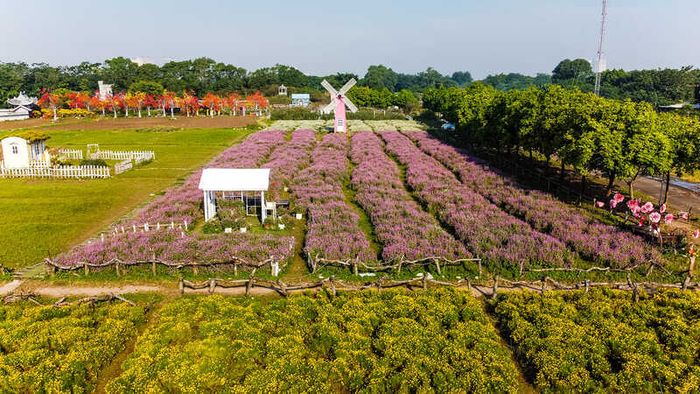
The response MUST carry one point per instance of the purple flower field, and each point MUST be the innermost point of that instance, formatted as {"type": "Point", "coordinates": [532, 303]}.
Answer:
{"type": "Point", "coordinates": [483, 227]}
{"type": "Point", "coordinates": [333, 230]}
{"type": "Point", "coordinates": [286, 161]}
{"type": "Point", "coordinates": [401, 225]}
{"type": "Point", "coordinates": [593, 241]}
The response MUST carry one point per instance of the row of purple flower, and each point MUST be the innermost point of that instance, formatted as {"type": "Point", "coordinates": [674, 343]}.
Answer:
{"type": "Point", "coordinates": [333, 230]}
{"type": "Point", "coordinates": [592, 240]}
{"type": "Point", "coordinates": [485, 229]}
{"type": "Point", "coordinates": [402, 227]}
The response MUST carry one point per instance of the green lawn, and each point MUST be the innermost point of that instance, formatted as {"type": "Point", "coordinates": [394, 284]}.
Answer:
{"type": "Point", "coordinates": [42, 217]}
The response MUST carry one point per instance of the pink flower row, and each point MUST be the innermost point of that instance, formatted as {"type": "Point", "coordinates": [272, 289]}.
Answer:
{"type": "Point", "coordinates": [592, 240]}
{"type": "Point", "coordinates": [176, 247]}
{"type": "Point", "coordinates": [333, 230]}
{"type": "Point", "coordinates": [286, 161]}
{"type": "Point", "coordinates": [400, 224]}
{"type": "Point", "coordinates": [486, 230]}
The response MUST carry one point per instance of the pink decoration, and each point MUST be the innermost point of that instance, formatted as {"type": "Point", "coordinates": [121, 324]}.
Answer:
{"type": "Point", "coordinates": [618, 197]}
{"type": "Point", "coordinates": [684, 215]}
{"type": "Point", "coordinates": [655, 217]}
{"type": "Point", "coordinates": [599, 204]}
{"type": "Point", "coordinates": [613, 204]}
{"type": "Point", "coordinates": [668, 218]}
{"type": "Point", "coordinates": [647, 207]}
{"type": "Point", "coordinates": [696, 234]}
{"type": "Point", "coordinates": [662, 208]}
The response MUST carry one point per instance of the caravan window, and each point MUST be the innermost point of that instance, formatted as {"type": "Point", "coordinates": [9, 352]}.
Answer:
{"type": "Point", "coordinates": [15, 149]}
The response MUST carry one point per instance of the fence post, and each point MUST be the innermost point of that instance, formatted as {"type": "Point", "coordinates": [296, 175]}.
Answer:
{"type": "Point", "coordinates": [86, 268]}
{"type": "Point", "coordinates": [437, 266]}
{"type": "Point", "coordinates": [494, 291]}
{"type": "Point", "coordinates": [212, 285]}
{"type": "Point", "coordinates": [116, 266]}
{"type": "Point", "coordinates": [181, 286]}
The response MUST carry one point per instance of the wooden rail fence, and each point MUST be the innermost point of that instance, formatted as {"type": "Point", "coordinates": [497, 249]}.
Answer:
{"type": "Point", "coordinates": [356, 265]}
{"type": "Point", "coordinates": [120, 266]}
{"type": "Point", "coordinates": [424, 282]}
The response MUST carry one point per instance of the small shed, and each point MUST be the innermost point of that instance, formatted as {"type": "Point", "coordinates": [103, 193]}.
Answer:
{"type": "Point", "coordinates": [247, 184]}
{"type": "Point", "coordinates": [301, 99]}
{"type": "Point", "coordinates": [18, 152]}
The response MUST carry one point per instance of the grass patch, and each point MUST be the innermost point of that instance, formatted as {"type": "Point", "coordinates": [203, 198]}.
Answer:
{"type": "Point", "coordinates": [44, 217]}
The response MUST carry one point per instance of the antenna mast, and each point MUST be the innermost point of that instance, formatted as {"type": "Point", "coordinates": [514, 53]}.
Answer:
{"type": "Point", "coordinates": [600, 65]}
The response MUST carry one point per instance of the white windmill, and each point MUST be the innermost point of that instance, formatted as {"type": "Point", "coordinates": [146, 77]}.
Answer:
{"type": "Point", "coordinates": [338, 103]}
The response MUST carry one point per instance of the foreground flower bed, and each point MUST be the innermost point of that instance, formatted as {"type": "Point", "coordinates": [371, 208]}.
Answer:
{"type": "Point", "coordinates": [175, 247]}
{"type": "Point", "coordinates": [47, 349]}
{"type": "Point", "coordinates": [489, 232]}
{"type": "Point", "coordinates": [333, 230]}
{"type": "Point", "coordinates": [594, 241]}
{"type": "Point", "coordinates": [390, 342]}
{"type": "Point", "coordinates": [401, 226]}
{"type": "Point", "coordinates": [602, 341]}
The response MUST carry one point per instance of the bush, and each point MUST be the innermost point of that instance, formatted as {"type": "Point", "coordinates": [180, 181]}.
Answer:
{"type": "Point", "coordinates": [94, 162]}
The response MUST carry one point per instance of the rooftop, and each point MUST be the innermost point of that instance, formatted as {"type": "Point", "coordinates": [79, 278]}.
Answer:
{"type": "Point", "coordinates": [235, 179]}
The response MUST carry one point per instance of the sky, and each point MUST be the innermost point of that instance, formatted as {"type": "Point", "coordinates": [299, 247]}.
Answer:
{"type": "Point", "coordinates": [325, 37]}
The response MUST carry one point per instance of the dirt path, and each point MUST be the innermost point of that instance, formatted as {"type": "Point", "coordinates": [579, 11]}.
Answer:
{"type": "Point", "coordinates": [10, 287]}
{"type": "Point", "coordinates": [64, 291]}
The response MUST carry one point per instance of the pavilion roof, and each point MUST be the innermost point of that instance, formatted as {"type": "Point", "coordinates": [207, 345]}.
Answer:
{"type": "Point", "coordinates": [235, 179]}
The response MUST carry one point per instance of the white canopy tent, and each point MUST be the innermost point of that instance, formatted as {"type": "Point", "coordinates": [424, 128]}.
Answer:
{"type": "Point", "coordinates": [243, 180]}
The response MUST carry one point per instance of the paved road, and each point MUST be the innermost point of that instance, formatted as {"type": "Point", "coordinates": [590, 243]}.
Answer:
{"type": "Point", "coordinates": [679, 198]}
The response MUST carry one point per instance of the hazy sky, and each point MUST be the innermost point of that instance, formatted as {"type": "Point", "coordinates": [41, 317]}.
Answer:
{"type": "Point", "coordinates": [322, 37]}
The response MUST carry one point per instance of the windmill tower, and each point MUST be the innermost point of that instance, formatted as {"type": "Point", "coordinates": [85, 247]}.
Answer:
{"type": "Point", "coordinates": [600, 64]}
{"type": "Point", "coordinates": [338, 103]}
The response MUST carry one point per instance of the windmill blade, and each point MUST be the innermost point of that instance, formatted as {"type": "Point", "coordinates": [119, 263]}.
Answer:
{"type": "Point", "coordinates": [329, 88]}
{"type": "Point", "coordinates": [330, 107]}
{"type": "Point", "coordinates": [348, 85]}
{"type": "Point", "coordinates": [349, 104]}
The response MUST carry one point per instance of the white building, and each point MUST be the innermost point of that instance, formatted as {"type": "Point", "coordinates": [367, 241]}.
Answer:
{"type": "Point", "coordinates": [301, 99]}
{"type": "Point", "coordinates": [23, 106]}
{"type": "Point", "coordinates": [18, 152]}
{"type": "Point", "coordinates": [105, 90]}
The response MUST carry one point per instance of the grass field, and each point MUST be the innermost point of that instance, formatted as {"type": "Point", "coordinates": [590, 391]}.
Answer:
{"type": "Point", "coordinates": [43, 217]}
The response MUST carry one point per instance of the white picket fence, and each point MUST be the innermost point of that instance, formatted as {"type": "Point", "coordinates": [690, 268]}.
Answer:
{"type": "Point", "coordinates": [123, 166]}
{"type": "Point", "coordinates": [93, 172]}
{"type": "Point", "coordinates": [71, 154]}
{"type": "Point", "coordinates": [140, 156]}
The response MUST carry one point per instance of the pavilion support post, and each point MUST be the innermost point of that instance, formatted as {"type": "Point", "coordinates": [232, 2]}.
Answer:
{"type": "Point", "coordinates": [263, 214]}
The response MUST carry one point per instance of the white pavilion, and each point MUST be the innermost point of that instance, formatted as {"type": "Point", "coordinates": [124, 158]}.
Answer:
{"type": "Point", "coordinates": [245, 184]}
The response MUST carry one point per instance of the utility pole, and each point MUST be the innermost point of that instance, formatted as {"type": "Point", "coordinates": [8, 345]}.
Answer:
{"type": "Point", "coordinates": [600, 64]}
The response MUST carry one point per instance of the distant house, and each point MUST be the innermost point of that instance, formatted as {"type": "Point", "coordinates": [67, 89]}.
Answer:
{"type": "Point", "coordinates": [18, 152]}
{"type": "Point", "coordinates": [281, 90]}
{"type": "Point", "coordinates": [301, 99]}
{"type": "Point", "coordinates": [22, 107]}
{"type": "Point", "coordinates": [105, 90]}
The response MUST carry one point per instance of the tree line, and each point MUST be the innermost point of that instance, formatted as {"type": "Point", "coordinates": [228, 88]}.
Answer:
{"type": "Point", "coordinates": [620, 139]}
{"type": "Point", "coordinates": [201, 76]}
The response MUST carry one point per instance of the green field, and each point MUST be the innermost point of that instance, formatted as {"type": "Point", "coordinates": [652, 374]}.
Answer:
{"type": "Point", "coordinates": [43, 217]}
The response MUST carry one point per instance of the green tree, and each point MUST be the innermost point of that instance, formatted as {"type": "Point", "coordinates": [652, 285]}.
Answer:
{"type": "Point", "coordinates": [462, 78]}
{"type": "Point", "coordinates": [379, 77]}
{"type": "Point", "coordinates": [577, 70]}
{"type": "Point", "coordinates": [120, 72]}
{"type": "Point", "coordinates": [149, 87]}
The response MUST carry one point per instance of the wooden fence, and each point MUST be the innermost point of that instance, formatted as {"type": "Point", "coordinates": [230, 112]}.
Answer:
{"type": "Point", "coordinates": [93, 172]}
{"type": "Point", "coordinates": [424, 282]}
{"type": "Point", "coordinates": [72, 154]}
{"type": "Point", "coordinates": [120, 266]}
{"type": "Point", "coordinates": [356, 265]}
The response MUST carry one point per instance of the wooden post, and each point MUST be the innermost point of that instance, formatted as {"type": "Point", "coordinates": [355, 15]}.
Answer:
{"type": "Point", "coordinates": [437, 266]}
{"type": "Point", "coordinates": [181, 286]}
{"type": "Point", "coordinates": [212, 285]}
{"type": "Point", "coordinates": [153, 267]}
{"type": "Point", "coordinates": [494, 291]}
{"type": "Point", "coordinates": [425, 281]}
{"type": "Point", "coordinates": [588, 285]}
{"type": "Point", "coordinates": [354, 267]}
{"type": "Point", "coordinates": [116, 266]}
{"type": "Point", "coordinates": [86, 268]}
{"type": "Point", "coordinates": [235, 270]}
